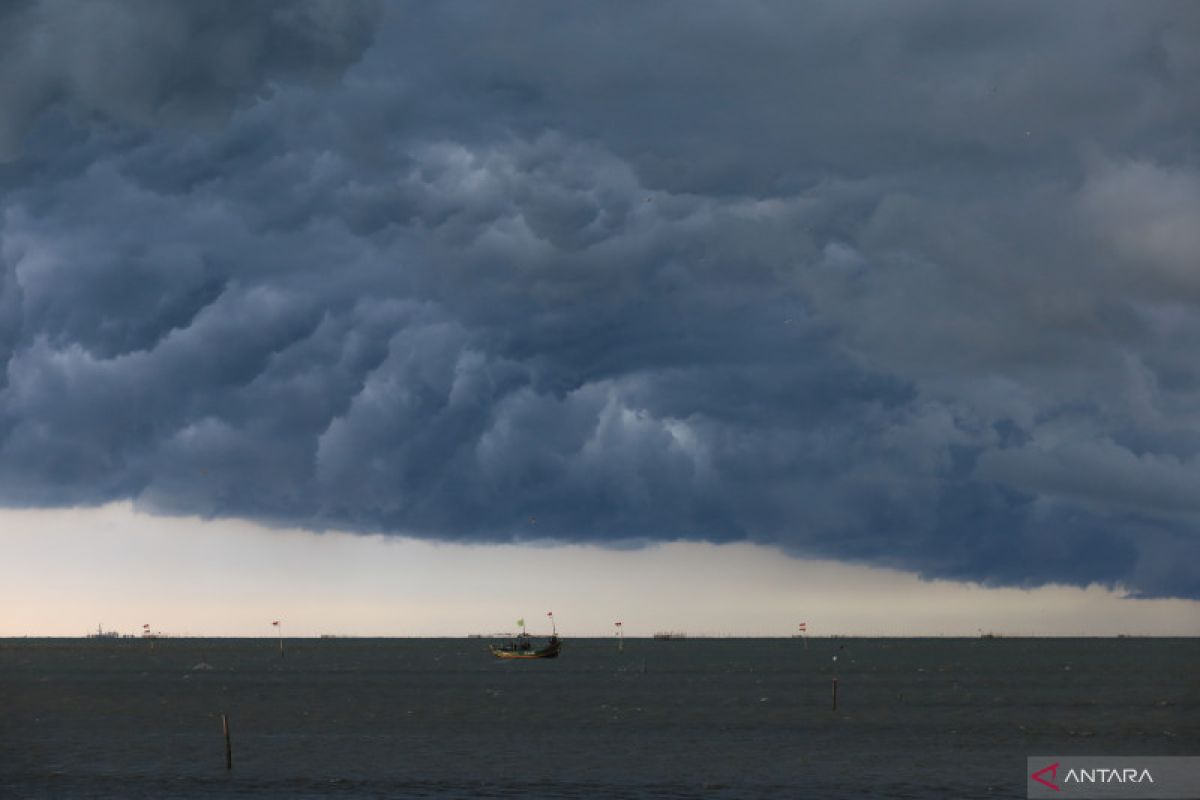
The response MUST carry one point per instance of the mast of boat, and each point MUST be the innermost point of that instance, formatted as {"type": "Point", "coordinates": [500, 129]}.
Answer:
{"type": "Point", "coordinates": [521, 622]}
{"type": "Point", "coordinates": [553, 629]}
{"type": "Point", "coordinates": [620, 637]}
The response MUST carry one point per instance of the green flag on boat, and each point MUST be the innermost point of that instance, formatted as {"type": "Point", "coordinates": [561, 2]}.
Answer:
{"type": "Point", "coordinates": [521, 622]}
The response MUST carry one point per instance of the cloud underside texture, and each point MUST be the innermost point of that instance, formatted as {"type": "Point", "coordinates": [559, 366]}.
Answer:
{"type": "Point", "coordinates": [909, 285]}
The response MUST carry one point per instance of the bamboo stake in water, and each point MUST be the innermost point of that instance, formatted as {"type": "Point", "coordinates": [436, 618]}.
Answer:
{"type": "Point", "coordinates": [835, 683]}
{"type": "Point", "coordinates": [228, 745]}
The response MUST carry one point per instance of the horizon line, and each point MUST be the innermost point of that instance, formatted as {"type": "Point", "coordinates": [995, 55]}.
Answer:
{"type": "Point", "coordinates": [651, 637]}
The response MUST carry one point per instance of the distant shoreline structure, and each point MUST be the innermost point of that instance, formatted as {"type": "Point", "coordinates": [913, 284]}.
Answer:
{"type": "Point", "coordinates": [670, 635]}
{"type": "Point", "coordinates": [103, 634]}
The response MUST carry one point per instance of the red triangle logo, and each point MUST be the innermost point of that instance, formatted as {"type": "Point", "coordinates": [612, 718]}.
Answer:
{"type": "Point", "coordinates": [1053, 770]}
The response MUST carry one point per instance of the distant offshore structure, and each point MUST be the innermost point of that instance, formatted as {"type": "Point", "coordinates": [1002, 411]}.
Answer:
{"type": "Point", "coordinates": [670, 635]}
{"type": "Point", "coordinates": [103, 634]}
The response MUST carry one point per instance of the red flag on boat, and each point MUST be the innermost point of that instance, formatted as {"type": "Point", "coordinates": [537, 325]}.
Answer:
{"type": "Point", "coordinates": [618, 624]}
{"type": "Point", "coordinates": [804, 626]}
{"type": "Point", "coordinates": [276, 622]}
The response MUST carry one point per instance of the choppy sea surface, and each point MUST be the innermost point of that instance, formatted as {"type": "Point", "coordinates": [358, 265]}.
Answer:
{"type": "Point", "coordinates": [705, 718]}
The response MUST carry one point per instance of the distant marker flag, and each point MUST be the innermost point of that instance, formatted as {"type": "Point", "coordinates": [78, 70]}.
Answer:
{"type": "Point", "coordinates": [276, 622]}
{"type": "Point", "coordinates": [804, 627]}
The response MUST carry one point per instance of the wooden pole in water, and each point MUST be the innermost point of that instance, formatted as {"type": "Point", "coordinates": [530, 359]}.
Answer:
{"type": "Point", "coordinates": [835, 683]}
{"type": "Point", "coordinates": [620, 638]}
{"type": "Point", "coordinates": [279, 625]}
{"type": "Point", "coordinates": [228, 745]}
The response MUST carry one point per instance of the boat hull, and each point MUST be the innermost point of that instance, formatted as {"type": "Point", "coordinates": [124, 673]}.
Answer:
{"type": "Point", "coordinates": [524, 655]}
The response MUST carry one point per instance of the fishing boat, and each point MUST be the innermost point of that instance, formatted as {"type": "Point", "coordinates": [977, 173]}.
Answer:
{"type": "Point", "coordinates": [521, 647]}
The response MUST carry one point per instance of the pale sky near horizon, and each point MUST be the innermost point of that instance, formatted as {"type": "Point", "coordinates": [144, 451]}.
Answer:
{"type": "Point", "coordinates": [68, 570]}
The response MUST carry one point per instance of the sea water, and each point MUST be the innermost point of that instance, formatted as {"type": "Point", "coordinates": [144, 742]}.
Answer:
{"type": "Point", "coordinates": [712, 718]}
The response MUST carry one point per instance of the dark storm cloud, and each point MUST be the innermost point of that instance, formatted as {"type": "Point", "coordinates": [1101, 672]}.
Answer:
{"type": "Point", "coordinates": [906, 285]}
{"type": "Point", "coordinates": [146, 62]}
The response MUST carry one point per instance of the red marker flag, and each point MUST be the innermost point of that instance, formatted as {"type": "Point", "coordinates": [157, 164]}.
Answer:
{"type": "Point", "coordinates": [276, 622]}
{"type": "Point", "coordinates": [549, 613]}
{"type": "Point", "coordinates": [618, 624]}
{"type": "Point", "coordinates": [804, 626]}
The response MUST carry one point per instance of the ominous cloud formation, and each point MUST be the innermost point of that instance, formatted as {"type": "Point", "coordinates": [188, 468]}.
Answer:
{"type": "Point", "coordinates": [913, 285]}
{"type": "Point", "coordinates": [147, 62]}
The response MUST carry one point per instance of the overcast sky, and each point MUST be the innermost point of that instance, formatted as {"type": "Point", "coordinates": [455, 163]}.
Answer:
{"type": "Point", "coordinates": [910, 286]}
